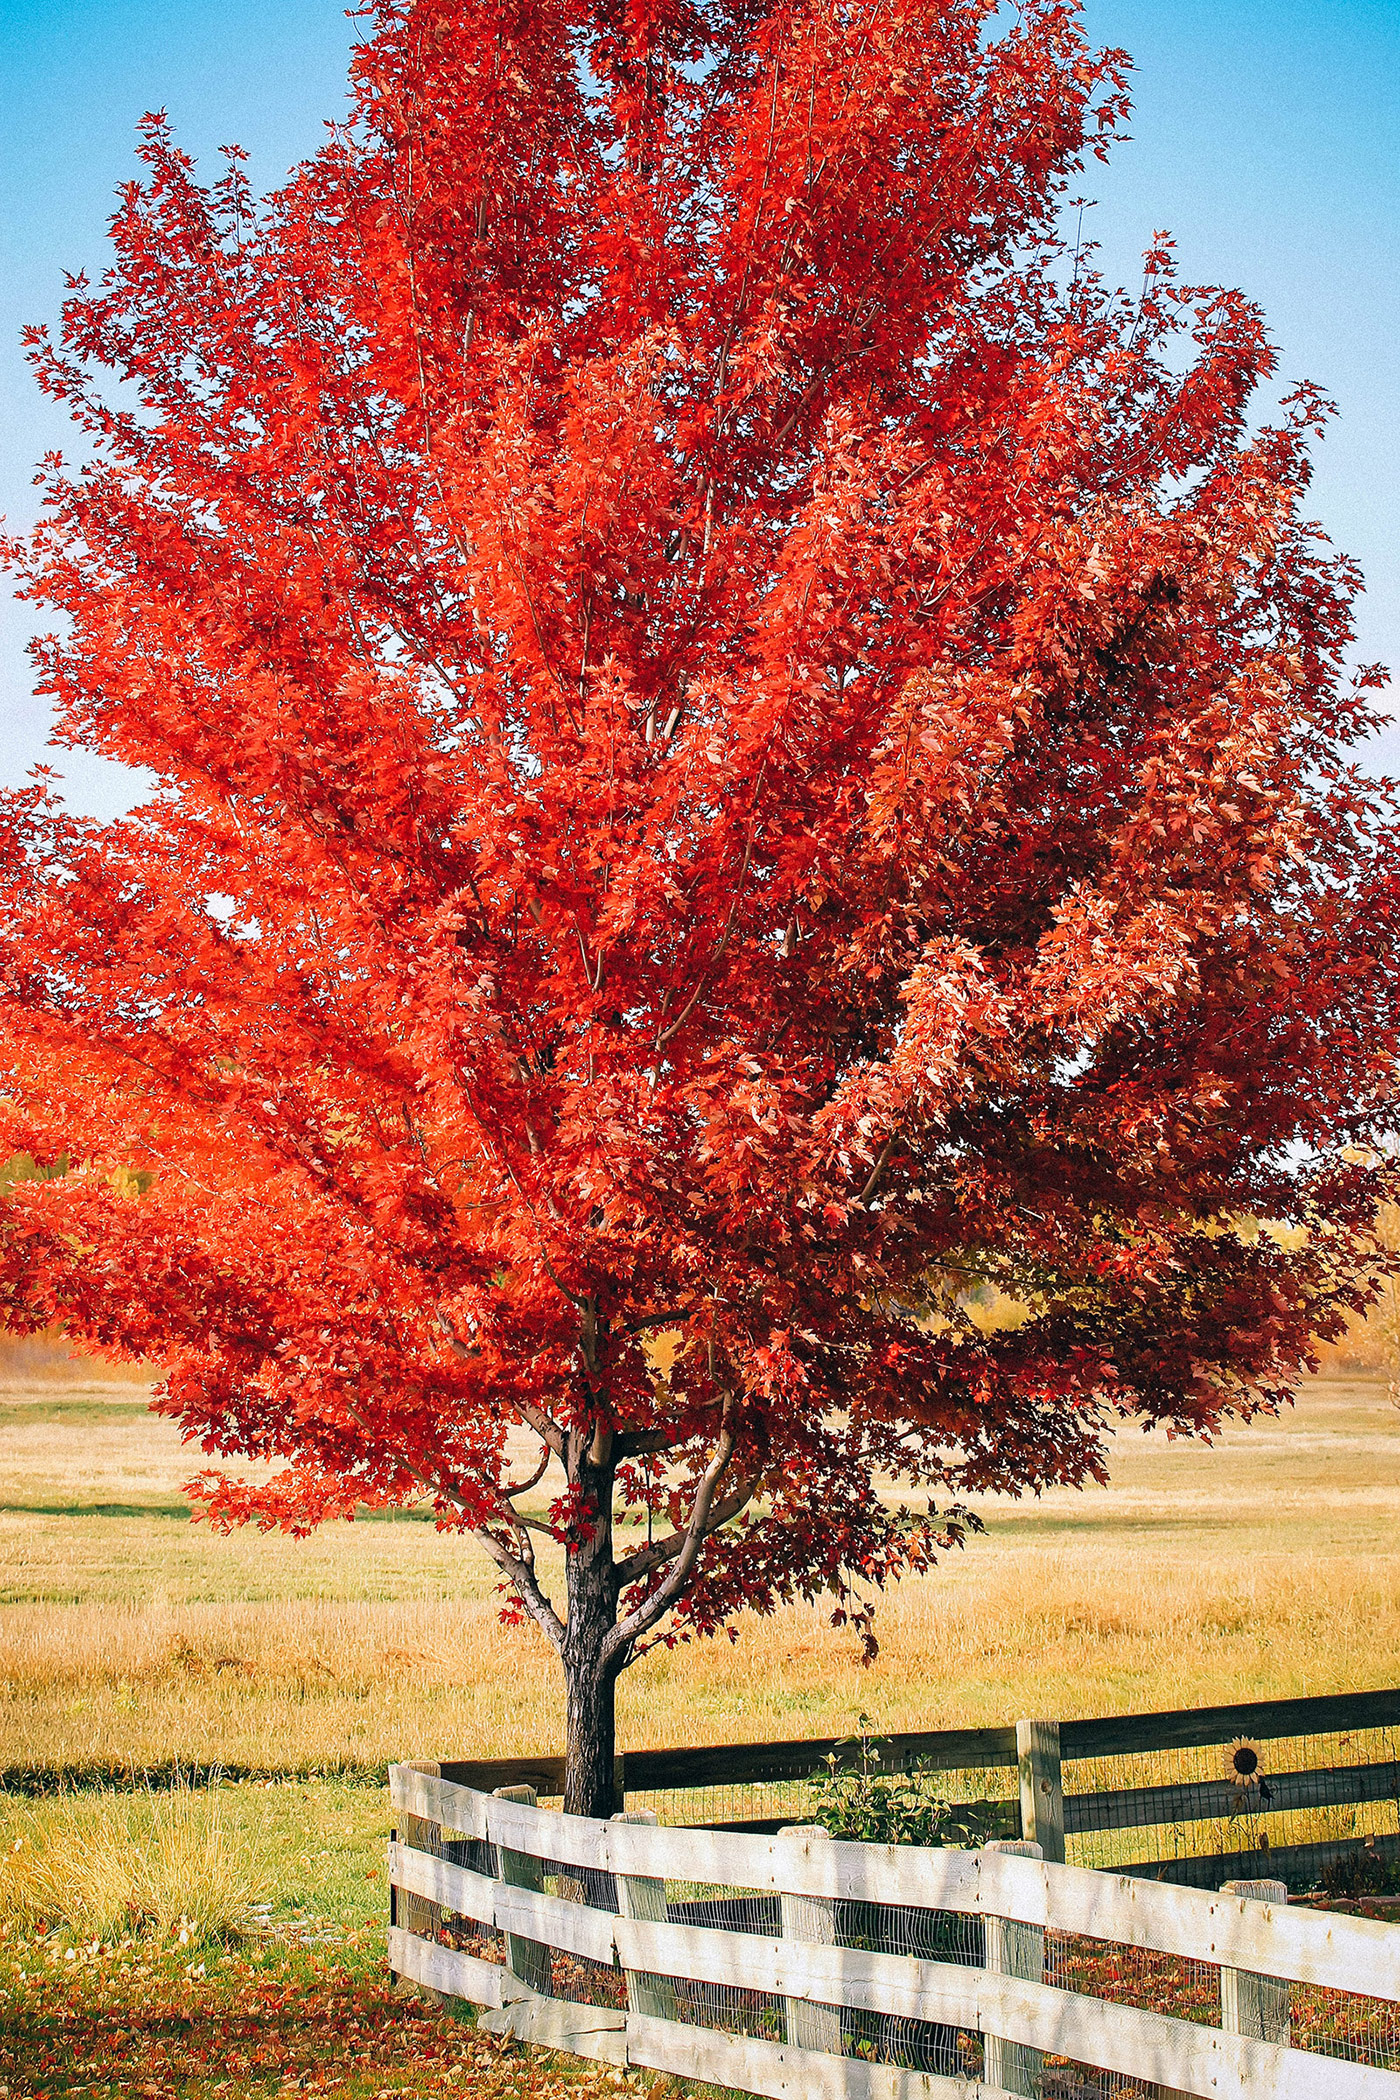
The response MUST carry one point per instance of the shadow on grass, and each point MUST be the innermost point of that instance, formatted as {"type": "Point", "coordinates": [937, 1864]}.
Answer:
{"type": "Point", "coordinates": [96, 1509]}
{"type": "Point", "coordinates": [31, 1413]}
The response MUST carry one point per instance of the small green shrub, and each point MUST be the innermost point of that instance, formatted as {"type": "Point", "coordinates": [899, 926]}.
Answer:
{"type": "Point", "coordinates": [860, 1802]}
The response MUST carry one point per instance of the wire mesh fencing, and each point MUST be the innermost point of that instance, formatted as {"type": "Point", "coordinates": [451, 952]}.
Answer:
{"type": "Point", "coordinates": [1329, 2022]}
{"type": "Point", "coordinates": [984, 1799]}
{"type": "Point", "coordinates": [1248, 1807]}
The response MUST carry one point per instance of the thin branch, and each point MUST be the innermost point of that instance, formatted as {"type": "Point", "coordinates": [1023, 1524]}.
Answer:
{"type": "Point", "coordinates": [648, 1558]}
{"type": "Point", "coordinates": [886, 1155]}
{"type": "Point", "coordinates": [651, 1608]}
{"type": "Point", "coordinates": [521, 1577]}
{"type": "Point", "coordinates": [535, 1477]}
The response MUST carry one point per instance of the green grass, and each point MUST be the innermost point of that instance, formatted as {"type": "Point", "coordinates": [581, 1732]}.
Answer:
{"type": "Point", "coordinates": [306, 2003]}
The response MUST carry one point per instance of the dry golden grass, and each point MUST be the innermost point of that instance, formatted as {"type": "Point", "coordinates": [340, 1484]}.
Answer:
{"type": "Point", "coordinates": [1267, 1566]}
{"type": "Point", "coordinates": [170, 1863]}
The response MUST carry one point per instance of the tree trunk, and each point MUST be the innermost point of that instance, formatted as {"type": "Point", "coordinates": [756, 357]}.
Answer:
{"type": "Point", "coordinates": [589, 1741]}
{"type": "Point", "coordinates": [590, 1684]}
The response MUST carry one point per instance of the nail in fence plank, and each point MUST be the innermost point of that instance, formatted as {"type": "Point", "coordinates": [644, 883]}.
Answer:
{"type": "Point", "coordinates": [1013, 1950]}
{"type": "Point", "coordinates": [1042, 1793]}
{"type": "Point", "coordinates": [811, 1919]}
{"type": "Point", "coordinates": [526, 1959]}
{"type": "Point", "coordinates": [643, 1897]}
{"type": "Point", "coordinates": [1251, 2004]}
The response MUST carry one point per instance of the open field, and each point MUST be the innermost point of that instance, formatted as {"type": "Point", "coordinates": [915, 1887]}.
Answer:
{"type": "Point", "coordinates": [1267, 1566]}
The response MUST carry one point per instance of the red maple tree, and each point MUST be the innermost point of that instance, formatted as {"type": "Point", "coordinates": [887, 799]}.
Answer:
{"type": "Point", "coordinates": [746, 752]}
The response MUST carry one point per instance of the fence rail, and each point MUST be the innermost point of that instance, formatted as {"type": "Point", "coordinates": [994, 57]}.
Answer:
{"type": "Point", "coordinates": [791, 1964]}
{"type": "Point", "coordinates": [1134, 1791]}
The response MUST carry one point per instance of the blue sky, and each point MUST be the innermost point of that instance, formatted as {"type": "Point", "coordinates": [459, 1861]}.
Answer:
{"type": "Point", "coordinates": [1266, 138]}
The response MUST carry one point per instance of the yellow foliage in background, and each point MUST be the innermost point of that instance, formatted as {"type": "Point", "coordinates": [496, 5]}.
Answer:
{"type": "Point", "coordinates": [1372, 1339]}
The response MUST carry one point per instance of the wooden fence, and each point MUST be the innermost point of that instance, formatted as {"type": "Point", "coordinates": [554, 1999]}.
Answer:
{"type": "Point", "coordinates": [1126, 1791]}
{"type": "Point", "coordinates": [793, 1965]}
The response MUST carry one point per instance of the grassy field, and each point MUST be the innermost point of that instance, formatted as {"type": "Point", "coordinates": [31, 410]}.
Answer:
{"type": "Point", "coordinates": [1269, 1565]}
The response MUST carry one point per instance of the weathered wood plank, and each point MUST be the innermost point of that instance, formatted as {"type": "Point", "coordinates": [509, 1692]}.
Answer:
{"type": "Point", "coordinates": [437, 1800]}
{"type": "Point", "coordinates": [1295, 1863]}
{"type": "Point", "coordinates": [773, 2069]}
{"type": "Point", "coordinates": [485, 1774]}
{"type": "Point", "coordinates": [519, 1825]}
{"type": "Point", "coordinates": [998, 1819]}
{"type": "Point", "coordinates": [944, 1750]}
{"type": "Point", "coordinates": [455, 1888]}
{"type": "Point", "coordinates": [1250, 2004]}
{"type": "Point", "coordinates": [526, 1912]}
{"type": "Point", "coordinates": [1014, 1950]}
{"type": "Point", "coordinates": [643, 1897]}
{"type": "Point", "coordinates": [1347, 1954]}
{"type": "Point", "coordinates": [809, 1921]}
{"type": "Point", "coordinates": [527, 1957]}
{"type": "Point", "coordinates": [1042, 1796]}
{"type": "Point", "coordinates": [1202, 1800]}
{"type": "Point", "coordinates": [1188, 2058]}
{"type": "Point", "coordinates": [593, 2031]}
{"type": "Point", "coordinates": [422, 1830]}
{"type": "Point", "coordinates": [824, 1974]}
{"type": "Point", "coordinates": [444, 1969]}
{"type": "Point", "coordinates": [1119, 1735]}
{"type": "Point", "coordinates": [1175, 2053]}
{"type": "Point", "coordinates": [1344, 1953]}
{"type": "Point", "coordinates": [1028, 2015]}
{"type": "Point", "coordinates": [890, 1874]}
{"type": "Point", "coordinates": [740, 1764]}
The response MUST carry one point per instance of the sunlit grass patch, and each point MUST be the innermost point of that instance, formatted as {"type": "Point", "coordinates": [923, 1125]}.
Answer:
{"type": "Point", "coordinates": [113, 1866]}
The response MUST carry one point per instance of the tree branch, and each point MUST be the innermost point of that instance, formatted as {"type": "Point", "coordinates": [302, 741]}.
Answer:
{"type": "Point", "coordinates": [651, 1608]}
{"type": "Point", "coordinates": [886, 1155]}
{"type": "Point", "coordinates": [640, 1443]}
{"type": "Point", "coordinates": [656, 1555]}
{"type": "Point", "coordinates": [536, 1476]}
{"type": "Point", "coordinates": [521, 1577]}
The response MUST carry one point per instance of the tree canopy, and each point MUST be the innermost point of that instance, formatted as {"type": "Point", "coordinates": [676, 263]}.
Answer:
{"type": "Point", "coordinates": [745, 749]}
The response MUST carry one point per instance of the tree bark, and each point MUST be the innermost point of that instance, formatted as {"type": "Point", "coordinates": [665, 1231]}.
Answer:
{"type": "Point", "coordinates": [590, 1683]}
{"type": "Point", "coordinates": [590, 1740]}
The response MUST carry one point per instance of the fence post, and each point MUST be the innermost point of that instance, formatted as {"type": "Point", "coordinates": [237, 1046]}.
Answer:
{"type": "Point", "coordinates": [1013, 1950]}
{"type": "Point", "coordinates": [1042, 1793]}
{"type": "Point", "coordinates": [811, 1919]}
{"type": "Point", "coordinates": [527, 1959]}
{"type": "Point", "coordinates": [415, 1913]}
{"type": "Point", "coordinates": [644, 1896]}
{"type": "Point", "coordinates": [1250, 2004]}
